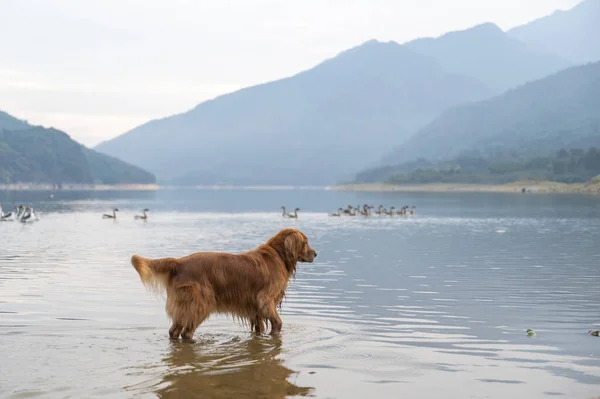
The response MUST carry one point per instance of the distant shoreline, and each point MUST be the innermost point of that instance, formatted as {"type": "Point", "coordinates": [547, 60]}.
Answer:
{"type": "Point", "coordinates": [516, 187]}
{"type": "Point", "coordinates": [143, 187]}
{"type": "Point", "coordinates": [241, 187]}
{"type": "Point", "coordinates": [546, 187]}
{"type": "Point", "coordinates": [79, 187]}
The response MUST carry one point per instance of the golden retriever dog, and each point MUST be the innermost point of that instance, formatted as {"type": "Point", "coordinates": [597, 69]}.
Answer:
{"type": "Point", "coordinates": [249, 286]}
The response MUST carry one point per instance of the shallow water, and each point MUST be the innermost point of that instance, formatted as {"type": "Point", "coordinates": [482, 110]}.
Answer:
{"type": "Point", "coordinates": [428, 306]}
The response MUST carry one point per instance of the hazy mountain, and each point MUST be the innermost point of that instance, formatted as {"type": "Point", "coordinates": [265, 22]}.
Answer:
{"type": "Point", "coordinates": [571, 34]}
{"type": "Point", "coordinates": [316, 127]}
{"type": "Point", "coordinates": [110, 170]}
{"type": "Point", "coordinates": [488, 54]}
{"type": "Point", "coordinates": [33, 154]}
{"type": "Point", "coordinates": [9, 122]}
{"type": "Point", "coordinates": [560, 111]}
{"type": "Point", "coordinates": [42, 156]}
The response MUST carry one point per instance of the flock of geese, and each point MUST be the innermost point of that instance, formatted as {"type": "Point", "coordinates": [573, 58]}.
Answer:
{"type": "Point", "coordinates": [25, 214]}
{"type": "Point", "coordinates": [365, 210]}
{"type": "Point", "coordinates": [22, 213]}
{"type": "Point", "coordinates": [143, 216]}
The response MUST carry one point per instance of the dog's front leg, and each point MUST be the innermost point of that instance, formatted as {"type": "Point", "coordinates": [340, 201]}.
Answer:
{"type": "Point", "coordinates": [175, 330]}
{"type": "Point", "coordinates": [258, 325]}
{"type": "Point", "coordinates": [275, 320]}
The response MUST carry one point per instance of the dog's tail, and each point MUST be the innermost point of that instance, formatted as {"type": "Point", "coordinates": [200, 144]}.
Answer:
{"type": "Point", "coordinates": [155, 273]}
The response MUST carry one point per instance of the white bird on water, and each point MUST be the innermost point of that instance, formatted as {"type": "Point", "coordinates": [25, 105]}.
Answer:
{"type": "Point", "coordinates": [29, 216]}
{"type": "Point", "coordinates": [20, 211]}
{"type": "Point", "coordinates": [5, 217]}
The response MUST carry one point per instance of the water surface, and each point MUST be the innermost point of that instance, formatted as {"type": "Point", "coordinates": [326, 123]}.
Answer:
{"type": "Point", "coordinates": [428, 306]}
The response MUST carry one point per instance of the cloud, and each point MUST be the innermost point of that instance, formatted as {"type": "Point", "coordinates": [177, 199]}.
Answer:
{"type": "Point", "coordinates": [20, 80]}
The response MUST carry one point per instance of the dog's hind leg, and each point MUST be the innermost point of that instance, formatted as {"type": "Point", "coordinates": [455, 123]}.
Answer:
{"type": "Point", "coordinates": [173, 310]}
{"type": "Point", "coordinates": [198, 305]}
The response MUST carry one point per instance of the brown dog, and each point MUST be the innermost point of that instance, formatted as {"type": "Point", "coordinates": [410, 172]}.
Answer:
{"type": "Point", "coordinates": [248, 286]}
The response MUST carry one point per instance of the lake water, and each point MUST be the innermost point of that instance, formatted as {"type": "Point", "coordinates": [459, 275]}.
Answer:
{"type": "Point", "coordinates": [433, 305]}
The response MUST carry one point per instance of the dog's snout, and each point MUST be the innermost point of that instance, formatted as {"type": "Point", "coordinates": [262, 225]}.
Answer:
{"type": "Point", "coordinates": [315, 253]}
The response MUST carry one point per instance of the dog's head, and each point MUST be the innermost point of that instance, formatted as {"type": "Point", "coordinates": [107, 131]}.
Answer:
{"type": "Point", "coordinates": [292, 246]}
{"type": "Point", "coordinates": [296, 245]}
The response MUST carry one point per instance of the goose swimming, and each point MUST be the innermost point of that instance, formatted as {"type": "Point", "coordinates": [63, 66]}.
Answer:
{"type": "Point", "coordinates": [144, 217]}
{"type": "Point", "coordinates": [28, 215]}
{"type": "Point", "coordinates": [402, 211]}
{"type": "Point", "coordinates": [20, 210]}
{"type": "Point", "coordinates": [113, 216]}
{"type": "Point", "coordinates": [5, 217]}
{"type": "Point", "coordinates": [25, 216]}
{"type": "Point", "coordinates": [34, 216]}
{"type": "Point", "coordinates": [349, 210]}
{"type": "Point", "coordinates": [339, 212]}
{"type": "Point", "coordinates": [294, 215]}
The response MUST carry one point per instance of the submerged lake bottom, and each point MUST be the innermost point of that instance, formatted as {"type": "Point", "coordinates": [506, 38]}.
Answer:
{"type": "Point", "coordinates": [431, 305]}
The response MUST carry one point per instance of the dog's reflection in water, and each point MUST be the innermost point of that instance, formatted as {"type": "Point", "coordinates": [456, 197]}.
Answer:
{"type": "Point", "coordinates": [235, 369]}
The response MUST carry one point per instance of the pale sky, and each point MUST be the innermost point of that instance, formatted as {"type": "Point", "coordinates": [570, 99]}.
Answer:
{"type": "Point", "coordinates": [96, 69]}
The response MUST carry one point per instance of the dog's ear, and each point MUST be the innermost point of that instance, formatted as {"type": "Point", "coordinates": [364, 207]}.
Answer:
{"type": "Point", "coordinates": [293, 244]}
